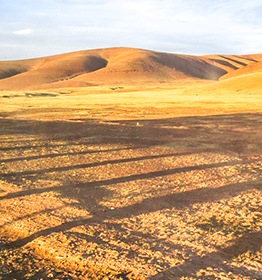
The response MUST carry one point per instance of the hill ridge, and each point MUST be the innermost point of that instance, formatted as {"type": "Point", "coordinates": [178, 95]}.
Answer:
{"type": "Point", "coordinates": [118, 65]}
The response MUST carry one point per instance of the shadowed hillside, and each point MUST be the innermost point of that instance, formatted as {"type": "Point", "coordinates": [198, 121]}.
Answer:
{"type": "Point", "coordinates": [255, 68]}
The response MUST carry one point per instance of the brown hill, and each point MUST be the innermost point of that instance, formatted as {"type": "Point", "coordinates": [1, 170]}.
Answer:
{"type": "Point", "coordinates": [115, 66]}
{"type": "Point", "coordinates": [230, 63]}
{"type": "Point", "coordinates": [248, 70]}
{"type": "Point", "coordinates": [245, 75]}
{"type": "Point", "coordinates": [37, 72]}
{"type": "Point", "coordinates": [246, 83]}
{"type": "Point", "coordinates": [104, 66]}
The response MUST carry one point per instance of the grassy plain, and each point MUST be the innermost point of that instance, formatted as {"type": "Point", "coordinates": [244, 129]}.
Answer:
{"type": "Point", "coordinates": [132, 182]}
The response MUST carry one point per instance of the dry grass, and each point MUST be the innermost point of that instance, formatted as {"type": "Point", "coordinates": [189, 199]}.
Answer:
{"type": "Point", "coordinates": [131, 183]}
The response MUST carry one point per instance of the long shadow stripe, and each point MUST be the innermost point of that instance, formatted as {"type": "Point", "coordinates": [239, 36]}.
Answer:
{"type": "Point", "coordinates": [93, 164]}
{"type": "Point", "coordinates": [65, 154]}
{"type": "Point", "coordinates": [130, 178]}
{"type": "Point", "coordinates": [177, 200]}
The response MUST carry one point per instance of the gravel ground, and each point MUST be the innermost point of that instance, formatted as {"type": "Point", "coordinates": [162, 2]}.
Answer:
{"type": "Point", "coordinates": [157, 199]}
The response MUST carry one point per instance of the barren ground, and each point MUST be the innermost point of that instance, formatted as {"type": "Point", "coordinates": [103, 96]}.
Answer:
{"type": "Point", "coordinates": [131, 183]}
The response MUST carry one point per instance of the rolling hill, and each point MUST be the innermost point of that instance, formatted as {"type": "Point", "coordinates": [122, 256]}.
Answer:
{"type": "Point", "coordinates": [120, 66]}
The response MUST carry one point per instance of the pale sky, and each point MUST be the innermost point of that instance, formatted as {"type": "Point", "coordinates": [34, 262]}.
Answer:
{"type": "Point", "coordinates": [35, 28]}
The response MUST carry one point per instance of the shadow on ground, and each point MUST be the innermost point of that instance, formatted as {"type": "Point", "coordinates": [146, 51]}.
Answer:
{"type": "Point", "coordinates": [237, 134]}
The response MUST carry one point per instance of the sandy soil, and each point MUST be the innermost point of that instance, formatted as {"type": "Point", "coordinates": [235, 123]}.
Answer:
{"type": "Point", "coordinates": [131, 183]}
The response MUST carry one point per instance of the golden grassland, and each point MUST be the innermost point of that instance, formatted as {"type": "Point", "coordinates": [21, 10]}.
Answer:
{"type": "Point", "coordinates": [186, 98]}
{"type": "Point", "coordinates": [132, 182]}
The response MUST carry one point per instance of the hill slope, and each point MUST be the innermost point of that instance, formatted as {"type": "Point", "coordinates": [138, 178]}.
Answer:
{"type": "Point", "coordinates": [248, 70]}
{"type": "Point", "coordinates": [115, 66]}
{"type": "Point", "coordinates": [104, 66]}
